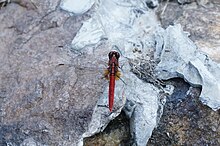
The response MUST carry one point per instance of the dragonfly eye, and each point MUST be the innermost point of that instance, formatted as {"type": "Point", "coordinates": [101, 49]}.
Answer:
{"type": "Point", "coordinates": [117, 55]}
{"type": "Point", "coordinates": [110, 55]}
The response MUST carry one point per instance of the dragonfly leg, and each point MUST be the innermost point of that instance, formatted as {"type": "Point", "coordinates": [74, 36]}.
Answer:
{"type": "Point", "coordinates": [99, 105]}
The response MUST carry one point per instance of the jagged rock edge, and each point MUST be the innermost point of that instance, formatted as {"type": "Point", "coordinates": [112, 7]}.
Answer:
{"type": "Point", "coordinates": [195, 60]}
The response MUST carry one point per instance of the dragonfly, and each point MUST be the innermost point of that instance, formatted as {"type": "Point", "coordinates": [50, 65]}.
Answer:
{"type": "Point", "coordinates": [98, 73]}
{"type": "Point", "coordinates": [112, 73]}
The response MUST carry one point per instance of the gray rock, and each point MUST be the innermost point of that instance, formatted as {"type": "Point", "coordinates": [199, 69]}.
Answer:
{"type": "Point", "coordinates": [50, 95]}
{"type": "Point", "coordinates": [77, 7]}
{"type": "Point", "coordinates": [38, 78]}
{"type": "Point", "coordinates": [203, 2]}
{"type": "Point", "coordinates": [199, 19]}
{"type": "Point", "coordinates": [181, 58]}
{"type": "Point", "coordinates": [152, 3]}
{"type": "Point", "coordinates": [185, 1]}
{"type": "Point", "coordinates": [203, 26]}
{"type": "Point", "coordinates": [30, 142]}
{"type": "Point", "coordinates": [130, 21]}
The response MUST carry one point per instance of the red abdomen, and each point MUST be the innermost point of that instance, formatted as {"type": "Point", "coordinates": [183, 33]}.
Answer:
{"type": "Point", "coordinates": [111, 91]}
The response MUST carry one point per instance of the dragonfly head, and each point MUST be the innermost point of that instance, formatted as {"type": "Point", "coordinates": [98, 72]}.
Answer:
{"type": "Point", "coordinates": [114, 53]}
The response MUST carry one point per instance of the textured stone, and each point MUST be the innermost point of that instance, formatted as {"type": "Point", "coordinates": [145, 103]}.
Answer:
{"type": "Point", "coordinates": [200, 19]}
{"type": "Point", "coordinates": [204, 27]}
{"type": "Point", "coordinates": [52, 95]}
{"type": "Point", "coordinates": [181, 58]}
{"type": "Point", "coordinates": [185, 120]}
{"type": "Point", "coordinates": [185, 1]}
{"type": "Point", "coordinates": [129, 31]}
{"type": "Point", "coordinates": [76, 6]}
{"type": "Point", "coordinates": [38, 78]}
{"type": "Point", "coordinates": [30, 142]}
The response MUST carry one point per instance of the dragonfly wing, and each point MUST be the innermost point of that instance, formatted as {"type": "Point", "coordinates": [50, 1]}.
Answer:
{"type": "Point", "coordinates": [117, 75]}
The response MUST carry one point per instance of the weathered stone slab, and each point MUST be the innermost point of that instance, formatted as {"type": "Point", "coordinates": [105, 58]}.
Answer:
{"type": "Point", "coordinates": [180, 57]}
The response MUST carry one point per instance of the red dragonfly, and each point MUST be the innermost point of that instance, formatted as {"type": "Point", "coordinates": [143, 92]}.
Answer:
{"type": "Point", "coordinates": [112, 73]}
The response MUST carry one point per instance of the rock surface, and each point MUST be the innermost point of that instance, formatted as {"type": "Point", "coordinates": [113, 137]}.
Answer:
{"type": "Point", "coordinates": [179, 57]}
{"type": "Point", "coordinates": [116, 133]}
{"type": "Point", "coordinates": [77, 7]}
{"type": "Point", "coordinates": [185, 120]}
{"type": "Point", "coordinates": [206, 34]}
{"type": "Point", "coordinates": [52, 93]}
{"type": "Point", "coordinates": [130, 32]}
{"type": "Point", "coordinates": [48, 92]}
{"type": "Point", "coordinates": [41, 96]}
{"type": "Point", "coordinates": [201, 21]}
